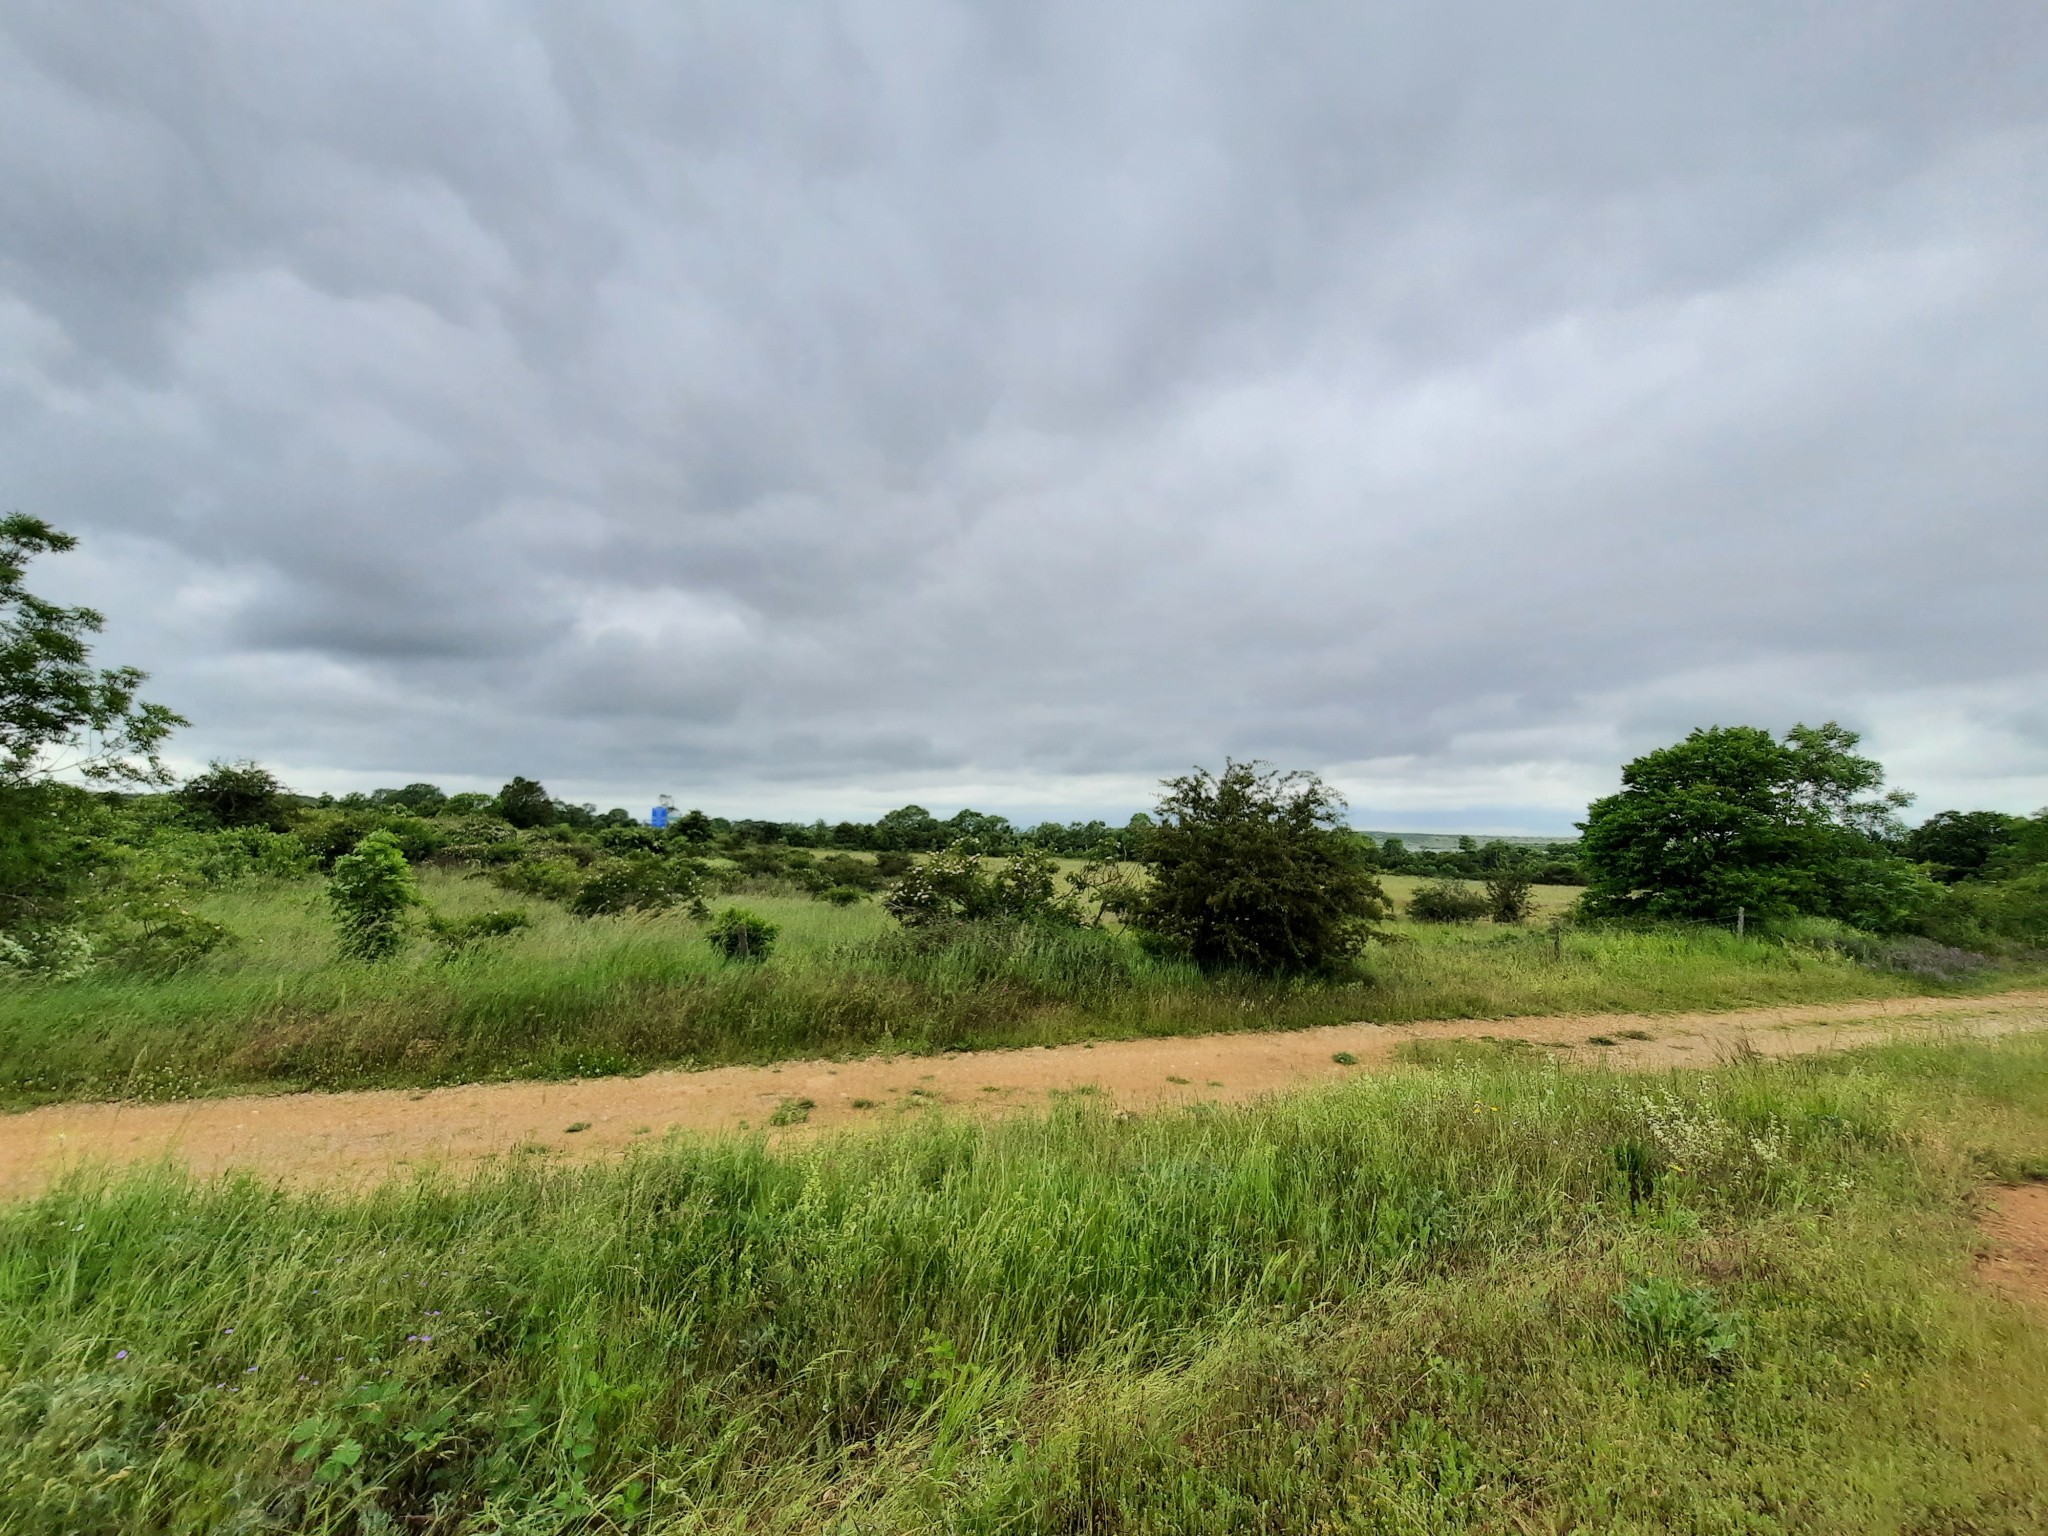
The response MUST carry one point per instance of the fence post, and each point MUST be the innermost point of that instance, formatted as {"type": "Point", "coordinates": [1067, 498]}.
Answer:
{"type": "Point", "coordinates": [1557, 938]}
{"type": "Point", "coordinates": [1741, 922]}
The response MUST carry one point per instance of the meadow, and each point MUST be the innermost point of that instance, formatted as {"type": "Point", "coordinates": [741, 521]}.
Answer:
{"type": "Point", "coordinates": [1475, 1295]}
{"type": "Point", "coordinates": [568, 996]}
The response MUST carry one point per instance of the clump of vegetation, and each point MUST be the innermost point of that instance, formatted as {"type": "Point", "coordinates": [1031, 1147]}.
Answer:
{"type": "Point", "coordinates": [960, 886]}
{"type": "Point", "coordinates": [1508, 896]}
{"type": "Point", "coordinates": [1678, 1325]}
{"type": "Point", "coordinates": [372, 891]}
{"type": "Point", "coordinates": [1253, 870]}
{"type": "Point", "coordinates": [643, 883]}
{"type": "Point", "coordinates": [1447, 901]}
{"type": "Point", "coordinates": [459, 935]}
{"type": "Point", "coordinates": [739, 934]}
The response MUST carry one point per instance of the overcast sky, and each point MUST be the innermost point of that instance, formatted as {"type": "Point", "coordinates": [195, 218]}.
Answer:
{"type": "Point", "coordinates": [801, 409]}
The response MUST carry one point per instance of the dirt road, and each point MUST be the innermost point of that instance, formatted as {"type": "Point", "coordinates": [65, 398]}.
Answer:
{"type": "Point", "coordinates": [354, 1137]}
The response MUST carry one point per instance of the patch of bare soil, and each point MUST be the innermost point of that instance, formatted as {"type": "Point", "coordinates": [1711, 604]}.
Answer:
{"type": "Point", "coordinates": [357, 1137]}
{"type": "Point", "coordinates": [2017, 1263]}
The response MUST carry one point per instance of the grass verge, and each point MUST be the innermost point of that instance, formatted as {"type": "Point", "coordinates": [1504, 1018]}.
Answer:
{"type": "Point", "coordinates": [586, 997]}
{"type": "Point", "coordinates": [1485, 1297]}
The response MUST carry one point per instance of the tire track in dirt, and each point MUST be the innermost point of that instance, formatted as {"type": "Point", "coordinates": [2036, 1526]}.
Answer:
{"type": "Point", "coordinates": [309, 1138]}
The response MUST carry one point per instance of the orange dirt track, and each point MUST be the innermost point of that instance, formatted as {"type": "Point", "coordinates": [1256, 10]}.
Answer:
{"type": "Point", "coordinates": [314, 1138]}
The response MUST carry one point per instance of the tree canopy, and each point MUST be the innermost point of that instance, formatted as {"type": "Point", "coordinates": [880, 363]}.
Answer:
{"type": "Point", "coordinates": [57, 712]}
{"type": "Point", "coordinates": [1253, 869]}
{"type": "Point", "coordinates": [1733, 817]}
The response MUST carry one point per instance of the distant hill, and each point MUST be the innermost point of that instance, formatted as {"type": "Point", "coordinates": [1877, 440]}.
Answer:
{"type": "Point", "coordinates": [1437, 842]}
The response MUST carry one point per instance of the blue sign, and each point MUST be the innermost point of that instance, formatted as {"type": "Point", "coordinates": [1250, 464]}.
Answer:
{"type": "Point", "coordinates": [658, 817]}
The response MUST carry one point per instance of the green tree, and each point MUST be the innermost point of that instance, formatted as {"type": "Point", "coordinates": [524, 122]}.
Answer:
{"type": "Point", "coordinates": [371, 890]}
{"type": "Point", "coordinates": [525, 804]}
{"type": "Point", "coordinates": [1732, 817]}
{"type": "Point", "coordinates": [1957, 845]}
{"type": "Point", "coordinates": [1254, 869]}
{"type": "Point", "coordinates": [243, 794]}
{"type": "Point", "coordinates": [57, 713]}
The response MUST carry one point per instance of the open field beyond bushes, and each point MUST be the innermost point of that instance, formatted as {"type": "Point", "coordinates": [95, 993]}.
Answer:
{"type": "Point", "coordinates": [580, 996]}
{"type": "Point", "coordinates": [1485, 1295]}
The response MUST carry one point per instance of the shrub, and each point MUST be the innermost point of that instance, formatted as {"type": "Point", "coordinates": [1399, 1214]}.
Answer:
{"type": "Point", "coordinates": [241, 794]}
{"type": "Point", "coordinates": [1254, 869]}
{"type": "Point", "coordinates": [842, 895]}
{"type": "Point", "coordinates": [1448, 901]}
{"type": "Point", "coordinates": [742, 935]}
{"type": "Point", "coordinates": [647, 883]}
{"type": "Point", "coordinates": [1507, 895]}
{"type": "Point", "coordinates": [47, 954]}
{"type": "Point", "coordinates": [458, 935]}
{"type": "Point", "coordinates": [371, 890]}
{"type": "Point", "coordinates": [554, 879]}
{"type": "Point", "coordinates": [956, 886]}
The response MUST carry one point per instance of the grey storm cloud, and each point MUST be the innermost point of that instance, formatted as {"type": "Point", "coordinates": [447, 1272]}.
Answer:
{"type": "Point", "coordinates": [802, 408]}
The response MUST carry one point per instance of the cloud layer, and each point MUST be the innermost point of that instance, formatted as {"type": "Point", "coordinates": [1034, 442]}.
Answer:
{"type": "Point", "coordinates": [800, 410]}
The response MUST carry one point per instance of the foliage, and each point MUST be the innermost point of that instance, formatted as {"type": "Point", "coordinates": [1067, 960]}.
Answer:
{"type": "Point", "coordinates": [1251, 869]}
{"type": "Point", "coordinates": [57, 713]}
{"type": "Point", "coordinates": [243, 794]}
{"type": "Point", "coordinates": [1447, 901]}
{"type": "Point", "coordinates": [739, 934]}
{"type": "Point", "coordinates": [48, 840]}
{"type": "Point", "coordinates": [1507, 895]}
{"type": "Point", "coordinates": [642, 883]}
{"type": "Point", "coordinates": [459, 935]}
{"type": "Point", "coordinates": [330, 832]}
{"type": "Point", "coordinates": [960, 886]}
{"type": "Point", "coordinates": [1676, 1324]}
{"type": "Point", "coordinates": [1731, 818]}
{"type": "Point", "coordinates": [524, 803]}
{"type": "Point", "coordinates": [370, 891]}
{"type": "Point", "coordinates": [1957, 845]}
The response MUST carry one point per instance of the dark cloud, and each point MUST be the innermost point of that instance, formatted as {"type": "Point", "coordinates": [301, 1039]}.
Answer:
{"type": "Point", "coordinates": [801, 411]}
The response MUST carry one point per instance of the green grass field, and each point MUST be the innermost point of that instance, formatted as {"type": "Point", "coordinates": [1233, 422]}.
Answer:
{"type": "Point", "coordinates": [1488, 1296]}
{"type": "Point", "coordinates": [576, 996]}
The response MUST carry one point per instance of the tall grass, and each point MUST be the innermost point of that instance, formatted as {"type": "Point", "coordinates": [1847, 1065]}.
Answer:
{"type": "Point", "coordinates": [1392, 1306]}
{"type": "Point", "coordinates": [589, 996]}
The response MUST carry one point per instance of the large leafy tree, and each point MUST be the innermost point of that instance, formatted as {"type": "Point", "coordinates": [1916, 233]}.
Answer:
{"type": "Point", "coordinates": [1253, 869]}
{"type": "Point", "coordinates": [1733, 817]}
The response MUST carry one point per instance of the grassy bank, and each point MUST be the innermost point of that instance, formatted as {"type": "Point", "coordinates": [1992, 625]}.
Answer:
{"type": "Point", "coordinates": [1483, 1297]}
{"type": "Point", "coordinates": [585, 997]}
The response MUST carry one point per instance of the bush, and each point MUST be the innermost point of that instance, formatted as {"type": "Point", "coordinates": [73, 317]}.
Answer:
{"type": "Point", "coordinates": [459, 935]}
{"type": "Point", "coordinates": [956, 886]}
{"type": "Point", "coordinates": [1448, 901]}
{"type": "Point", "coordinates": [241, 794]}
{"type": "Point", "coordinates": [1507, 895]}
{"type": "Point", "coordinates": [742, 935]}
{"type": "Point", "coordinates": [371, 890]}
{"type": "Point", "coordinates": [842, 895]}
{"type": "Point", "coordinates": [1254, 869]}
{"type": "Point", "coordinates": [553, 879]}
{"type": "Point", "coordinates": [647, 883]}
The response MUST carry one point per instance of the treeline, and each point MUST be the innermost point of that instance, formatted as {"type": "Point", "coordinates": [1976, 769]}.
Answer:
{"type": "Point", "coordinates": [1551, 864]}
{"type": "Point", "coordinates": [525, 803]}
